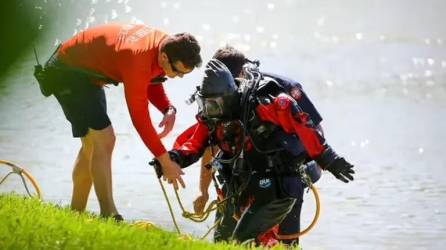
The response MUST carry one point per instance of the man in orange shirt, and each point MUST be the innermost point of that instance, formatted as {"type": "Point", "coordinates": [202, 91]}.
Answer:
{"type": "Point", "coordinates": [138, 56]}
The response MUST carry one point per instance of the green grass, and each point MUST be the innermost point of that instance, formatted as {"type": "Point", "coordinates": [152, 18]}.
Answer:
{"type": "Point", "coordinates": [27, 223]}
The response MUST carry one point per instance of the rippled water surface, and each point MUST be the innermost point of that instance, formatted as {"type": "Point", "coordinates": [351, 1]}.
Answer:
{"type": "Point", "coordinates": [375, 70]}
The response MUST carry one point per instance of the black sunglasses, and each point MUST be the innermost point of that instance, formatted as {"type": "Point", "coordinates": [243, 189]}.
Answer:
{"type": "Point", "coordinates": [174, 69]}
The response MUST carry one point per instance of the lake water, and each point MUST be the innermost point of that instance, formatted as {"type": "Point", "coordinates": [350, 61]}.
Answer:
{"type": "Point", "coordinates": [376, 74]}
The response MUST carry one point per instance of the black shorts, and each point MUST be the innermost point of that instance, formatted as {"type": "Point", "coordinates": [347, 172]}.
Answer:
{"type": "Point", "coordinates": [83, 103]}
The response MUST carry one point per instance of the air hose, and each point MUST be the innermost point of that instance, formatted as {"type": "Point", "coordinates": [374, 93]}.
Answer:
{"type": "Point", "coordinates": [24, 175]}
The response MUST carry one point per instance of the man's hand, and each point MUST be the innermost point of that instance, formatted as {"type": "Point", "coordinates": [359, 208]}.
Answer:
{"type": "Point", "coordinates": [341, 169]}
{"type": "Point", "coordinates": [171, 171]}
{"type": "Point", "coordinates": [200, 202]}
{"type": "Point", "coordinates": [168, 121]}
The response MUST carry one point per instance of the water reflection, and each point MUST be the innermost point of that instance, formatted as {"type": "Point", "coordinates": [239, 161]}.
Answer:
{"type": "Point", "coordinates": [380, 87]}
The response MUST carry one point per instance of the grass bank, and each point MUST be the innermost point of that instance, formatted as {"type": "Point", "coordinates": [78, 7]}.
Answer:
{"type": "Point", "coordinates": [30, 224]}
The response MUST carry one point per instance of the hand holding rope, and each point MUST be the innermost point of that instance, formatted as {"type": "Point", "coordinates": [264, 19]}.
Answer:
{"type": "Point", "coordinates": [214, 205]}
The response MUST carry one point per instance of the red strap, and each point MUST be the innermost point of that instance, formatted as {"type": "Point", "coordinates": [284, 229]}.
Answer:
{"type": "Point", "coordinates": [268, 238]}
{"type": "Point", "coordinates": [280, 113]}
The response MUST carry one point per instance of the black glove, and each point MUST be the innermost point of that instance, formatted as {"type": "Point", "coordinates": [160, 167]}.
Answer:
{"type": "Point", "coordinates": [337, 165]}
{"type": "Point", "coordinates": [341, 169]}
{"type": "Point", "coordinates": [157, 166]}
{"type": "Point", "coordinates": [174, 156]}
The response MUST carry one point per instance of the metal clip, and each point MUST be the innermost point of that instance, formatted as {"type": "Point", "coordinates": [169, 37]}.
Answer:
{"type": "Point", "coordinates": [216, 165]}
{"type": "Point", "coordinates": [193, 96]}
{"type": "Point", "coordinates": [305, 178]}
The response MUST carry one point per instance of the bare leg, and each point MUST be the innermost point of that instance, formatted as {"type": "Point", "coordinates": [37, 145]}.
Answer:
{"type": "Point", "coordinates": [103, 142]}
{"type": "Point", "coordinates": [82, 180]}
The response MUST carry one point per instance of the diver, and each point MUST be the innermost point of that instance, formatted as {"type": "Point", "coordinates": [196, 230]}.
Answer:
{"type": "Point", "coordinates": [263, 136]}
{"type": "Point", "coordinates": [290, 226]}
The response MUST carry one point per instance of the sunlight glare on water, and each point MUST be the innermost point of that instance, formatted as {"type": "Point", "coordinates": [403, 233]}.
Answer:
{"type": "Point", "coordinates": [376, 73]}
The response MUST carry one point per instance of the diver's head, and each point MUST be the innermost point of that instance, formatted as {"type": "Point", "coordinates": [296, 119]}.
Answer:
{"type": "Point", "coordinates": [218, 97]}
{"type": "Point", "coordinates": [232, 58]}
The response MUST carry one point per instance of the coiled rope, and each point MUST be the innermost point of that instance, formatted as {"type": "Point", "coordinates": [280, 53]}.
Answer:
{"type": "Point", "coordinates": [217, 204]}
{"type": "Point", "coordinates": [214, 205]}
{"type": "Point", "coordinates": [24, 175]}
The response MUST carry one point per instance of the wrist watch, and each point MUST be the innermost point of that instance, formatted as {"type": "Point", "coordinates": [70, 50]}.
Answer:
{"type": "Point", "coordinates": [170, 107]}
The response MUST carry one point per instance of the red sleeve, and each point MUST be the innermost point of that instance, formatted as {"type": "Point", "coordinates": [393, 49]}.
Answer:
{"type": "Point", "coordinates": [282, 113]}
{"type": "Point", "coordinates": [157, 96]}
{"type": "Point", "coordinates": [196, 142]}
{"type": "Point", "coordinates": [137, 102]}
{"type": "Point", "coordinates": [184, 136]}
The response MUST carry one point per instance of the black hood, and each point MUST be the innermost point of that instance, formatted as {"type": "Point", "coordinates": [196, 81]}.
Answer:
{"type": "Point", "coordinates": [217, 80]}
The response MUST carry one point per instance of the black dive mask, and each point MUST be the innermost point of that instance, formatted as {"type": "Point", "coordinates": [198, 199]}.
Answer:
{"type": "Point", "coordinates": [212, 108]}
{"type": "Point", "coordinates": [222, 108]}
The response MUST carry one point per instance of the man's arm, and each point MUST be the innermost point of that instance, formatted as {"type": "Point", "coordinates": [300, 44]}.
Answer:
{"type": "Point", "coordinates": [285, 112]}
{"type": "Point", "coordinates": [190, 150]}
{"type": "Point", "coordinates": [157, 96]}
{"type": "Point", "coordinates": [189, 146]}
{"type": "Point", "coordinates": [205, 181]}
{"type": "Point", "coordinates": [137, 102]}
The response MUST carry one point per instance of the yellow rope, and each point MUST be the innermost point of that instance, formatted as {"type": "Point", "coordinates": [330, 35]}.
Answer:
{"type": "Point", "coordinates": [312, 224]}
{"type": "Point", "coordinates": [194, 216]}
{"type": "Point", "coordinates": [23, 174]}
{"type": "Point", "coordinates": [189, 215]}
{"type": "Point", "coordinates": [139, 224]}
{"type": "Point", "coordinates": [186, 214]}
{"type": "Point", "coordinates": [170, 206]}
{"type": "Point", "coordinates": [215, 205]}
{"type": "Point", "coordinates": [211, 228]}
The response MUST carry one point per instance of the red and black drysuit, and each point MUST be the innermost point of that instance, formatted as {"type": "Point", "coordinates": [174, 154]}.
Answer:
{"type": "Point", "coordinates": [278, 126]}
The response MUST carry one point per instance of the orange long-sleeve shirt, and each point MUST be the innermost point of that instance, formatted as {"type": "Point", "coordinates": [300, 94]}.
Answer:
{"type": "Point", "coordinates": [127, 54]}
